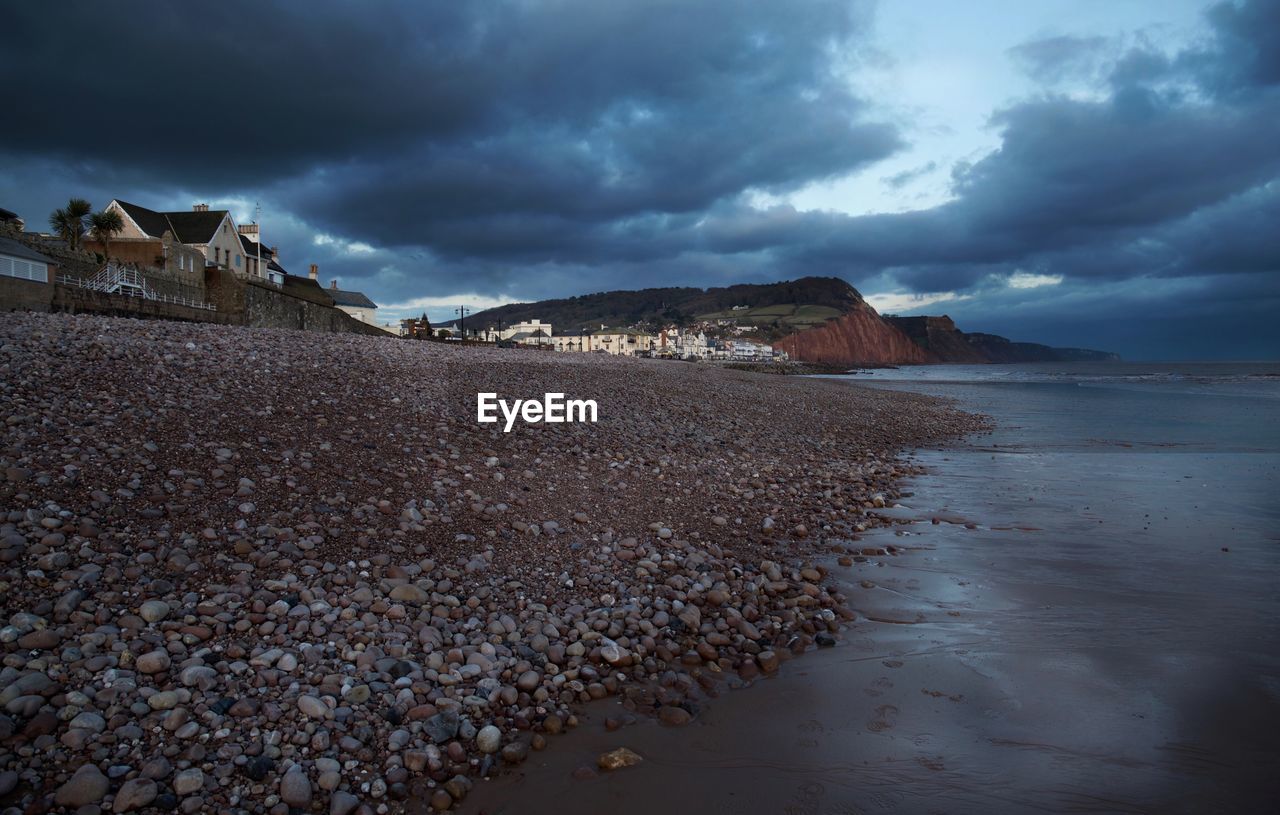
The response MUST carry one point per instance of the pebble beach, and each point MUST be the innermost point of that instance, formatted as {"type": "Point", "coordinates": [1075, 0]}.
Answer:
{"type": "Point", "coordinates": [249, 570]}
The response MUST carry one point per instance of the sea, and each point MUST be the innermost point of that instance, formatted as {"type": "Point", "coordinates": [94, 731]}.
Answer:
{"type": "Point", "coordinates": [1128, 552]}
{"type": "Point", "coordinates": [1084, 617]}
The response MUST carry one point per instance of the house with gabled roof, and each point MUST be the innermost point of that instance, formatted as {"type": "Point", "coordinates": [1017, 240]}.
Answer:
{"type": "Point", "coordinates": [213, 232]}
{"type": "Point", "coordinates": [625, 342]}
{"type": "Point", "coordinates": [353, 302]}
{"type": "Point", "coordinates": [260, 260]}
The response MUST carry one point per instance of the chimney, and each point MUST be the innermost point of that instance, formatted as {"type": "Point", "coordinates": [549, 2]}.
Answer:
{"type": "Point", "coordinates": [199, 207]}
{"type": "Point", "coordinates": [250, 231]}
{"type": "Point", "coordinates": [333, 284]}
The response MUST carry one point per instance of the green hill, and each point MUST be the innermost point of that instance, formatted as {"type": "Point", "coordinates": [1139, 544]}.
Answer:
{"type": "Point", "coordinates": [775, 307]}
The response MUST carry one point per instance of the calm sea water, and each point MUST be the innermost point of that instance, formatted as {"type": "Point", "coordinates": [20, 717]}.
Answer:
{"type": "Point", "coordinates": [1182, 406]}
{"type": "Point", "coordinates": [1128, 549]}
{"type": "Point", "coordinates": [1085, 618]}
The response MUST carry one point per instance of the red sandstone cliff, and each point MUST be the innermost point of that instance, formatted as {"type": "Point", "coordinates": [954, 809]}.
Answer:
{"type": "Point", "coordinates": [860, 337]}
{"type": "Point", "coordinates": [939, 338]}
{"type": "Point", "coordinates": [863, 337]}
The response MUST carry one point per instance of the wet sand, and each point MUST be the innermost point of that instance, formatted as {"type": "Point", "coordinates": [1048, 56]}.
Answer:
{"type": "Point", "coordinates": [1083, 644]}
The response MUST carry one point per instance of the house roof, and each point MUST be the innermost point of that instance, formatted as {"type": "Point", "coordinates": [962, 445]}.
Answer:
{"type": "Point", "coordinates": [17, 249]}
{"type": "Point", "coordinates": [305, 288]}
{"type": "Point", "coordinates": [6, 215]}
{"type": "Point", "coordinates": [187, 227]}
{"type": "Point", "coordinates": [630, 332]}
{"type": "Point", "coordinates": [520, 336]}
{"type": "Point", "coordinates": [352, 299]}
{"type": "Point", "coordinates": [148, 220]}
{"type": "Point", "coordinates": [196, 227]}
{"type": "Point", "coordinates": [251, 248]}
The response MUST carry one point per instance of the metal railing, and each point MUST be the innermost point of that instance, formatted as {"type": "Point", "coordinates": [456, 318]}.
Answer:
{"type": "Point", "coordinates": [129, 282]}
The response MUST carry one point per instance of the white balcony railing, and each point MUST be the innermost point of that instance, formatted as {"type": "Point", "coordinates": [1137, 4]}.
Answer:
{"type": "Point", "coordinates": [129, 282]}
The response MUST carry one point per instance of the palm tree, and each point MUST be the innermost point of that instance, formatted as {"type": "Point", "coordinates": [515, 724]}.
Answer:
{"type": "Point", "coordinates": [68, 222]}
{"type": "Point", "coordinates": [105, 225]}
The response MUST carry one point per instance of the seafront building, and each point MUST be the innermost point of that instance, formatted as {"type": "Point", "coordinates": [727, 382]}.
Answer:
{"type": "Point", "coordinates": [354, 303]}
{"type": "Point", "coordinates": [200, 264]}
{"type": "Point", "coordinates": [676, 343]}
{"type": "Point", "coordinates": [211, 233]}
{"type": "Point", "coordinates": [622, 342]}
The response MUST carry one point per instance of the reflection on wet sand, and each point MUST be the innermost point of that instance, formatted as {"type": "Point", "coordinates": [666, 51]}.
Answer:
{"type": "Point", "coordinates": [1062, 632]}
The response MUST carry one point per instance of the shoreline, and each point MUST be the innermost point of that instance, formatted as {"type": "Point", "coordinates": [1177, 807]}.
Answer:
{"type": "Point", "coordinates": [1017, 656]}
{"type": "Point", "coordinates": [756, 746]}
{"type": "Point", "coordinates": [310, 537]}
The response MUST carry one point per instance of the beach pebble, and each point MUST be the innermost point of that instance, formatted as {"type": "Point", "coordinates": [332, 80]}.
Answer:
{"type": "Point", "coordinates": [260, 578]}
{"type": "Point", "coordinates": [135, 794]}
{"type": "Point", "coordinates": [312, 707]}
{"type": "Point", "coordinates": [675, 716]}
{"type": "Point", "coordinates": [489, 739]}
{"type": "Point", "coordinates": [342, 803]}
{"type": "Point", "coordinates": [619, 758]}
{"type": "Point", "coordinates": [153, 611]}
{"type": "Point", "coordinates": [86, 786]}
{"type": "Point", "coordinates": [295, 788]}
{"type": "Point", "coordinates": [189, 781]}
{"type": "Point", "coordinates": [153, 662]}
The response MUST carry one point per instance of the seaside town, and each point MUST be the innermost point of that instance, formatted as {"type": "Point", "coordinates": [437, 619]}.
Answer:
{"type": "Point", "coordinates": [261, 570]}
{"type": "Point", "coordinates": [129, 259]}
{"type": "Point", "coordinates": [232, 586]}
{"type": "Point", "coordinates": [564, 407]}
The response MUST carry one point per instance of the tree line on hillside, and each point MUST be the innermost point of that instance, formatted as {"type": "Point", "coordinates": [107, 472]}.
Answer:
{"type": "Point", "coordinates": [665, 306]}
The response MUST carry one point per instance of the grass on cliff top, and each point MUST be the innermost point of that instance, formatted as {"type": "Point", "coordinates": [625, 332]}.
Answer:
{"type": "Point", "coordinates": [793, 316]}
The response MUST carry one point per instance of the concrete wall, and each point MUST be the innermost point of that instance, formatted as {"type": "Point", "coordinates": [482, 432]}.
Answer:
{"type": "Point", "coordinates": [75, 300]}
{"type": "Point", "coordinates": [238, 301]}
{"type": "Point", "coordinates": [259, 304]}
{"type": "Point", "coordinates": [24, 295]}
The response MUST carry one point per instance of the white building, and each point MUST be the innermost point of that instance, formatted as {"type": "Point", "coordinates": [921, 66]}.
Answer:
{"type": "Point", "coordinates": [528, 327]}
{"type": "Point", "coordinates": [212, 232]}
{"type": "Point", "coordinates": [682, 344]}
{"type": "Point", "coordinates": [354, 303]}
{"type": "Point", "coordinates": [20, 262]}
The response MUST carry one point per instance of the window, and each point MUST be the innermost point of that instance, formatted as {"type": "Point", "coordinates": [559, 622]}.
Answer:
{"type": "Point", "coordinates": [237, 260]}
{"type": "Point", "coordinates": [217, 254]}
{"type": "Point", "coordinates": [23, 269]}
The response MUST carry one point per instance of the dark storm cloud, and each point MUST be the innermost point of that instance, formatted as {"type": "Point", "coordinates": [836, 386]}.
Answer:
{"type": "Point", "coordinates": [541, 149]}
{"type": "Point", "coordinates": [449, 109]}
{"type": "Point", "coordinates": [1175, 174]}
{"type": "Point", "coordinates": [1246, 52]}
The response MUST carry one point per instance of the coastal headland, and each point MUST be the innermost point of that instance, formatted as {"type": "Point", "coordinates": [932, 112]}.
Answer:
{"type": "Point", "coordinates": [254, 570]}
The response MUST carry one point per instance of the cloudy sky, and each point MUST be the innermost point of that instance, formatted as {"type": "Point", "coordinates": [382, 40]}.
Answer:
{"type": "Point", "coordinates": [1102, 173]}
